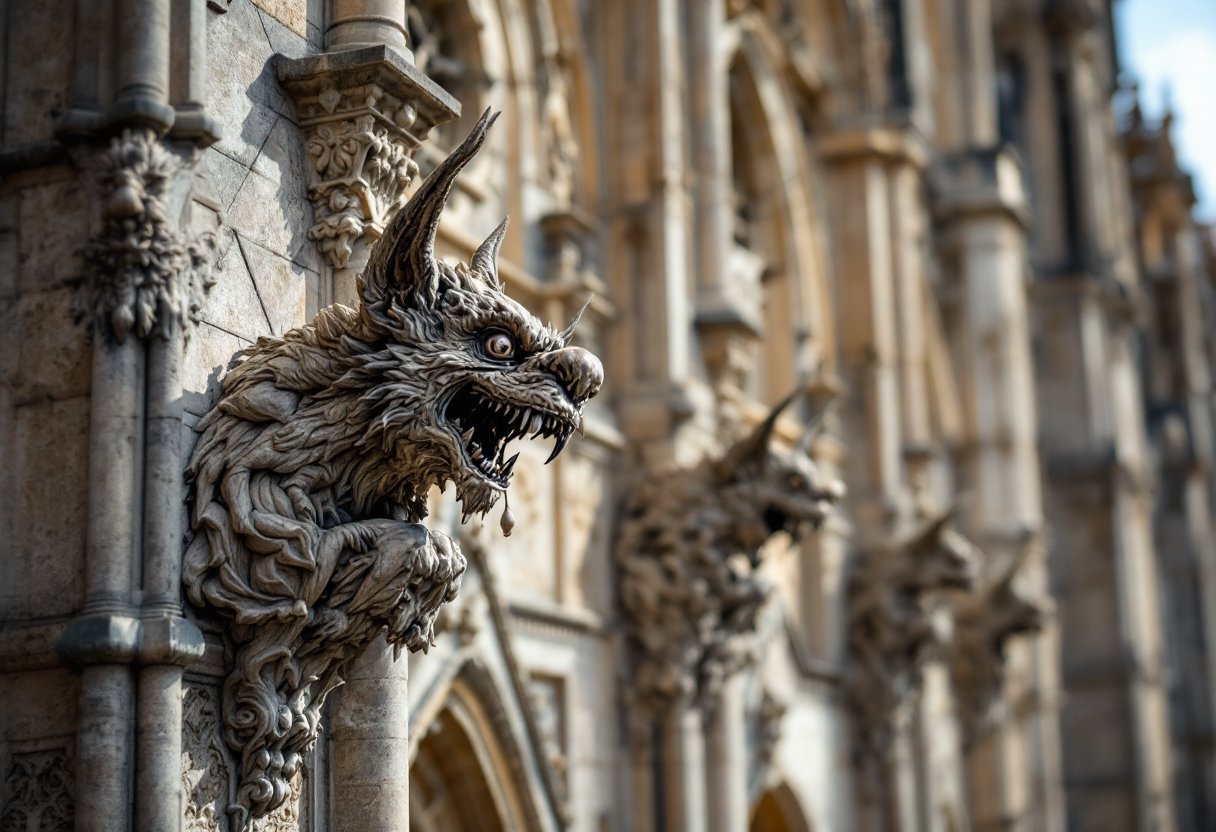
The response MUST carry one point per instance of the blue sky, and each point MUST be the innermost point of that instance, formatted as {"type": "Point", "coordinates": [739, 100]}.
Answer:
{"type": "Point", "coordinates": [1170, 47]}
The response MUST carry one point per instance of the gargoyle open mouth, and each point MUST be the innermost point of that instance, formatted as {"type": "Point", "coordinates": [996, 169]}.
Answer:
{"type": "Point", "coordinates": [778, 521]}
{"type": "Point", "coordinates": [484, 426]}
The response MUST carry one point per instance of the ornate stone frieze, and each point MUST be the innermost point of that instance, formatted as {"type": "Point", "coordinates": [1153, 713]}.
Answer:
{"type": "Point", "coordinates": [311, 474]}
{"type": "Point", "coordinates": [985, 623]}
{"type": "Point", "coordinates": [362, 119]}
{"type": "Point", "coordinates": [898, 621]}
{"type": "Point", "coordinates": [687, 556]}
{"type": "Point", "coordinates": [204, 770]}
{"type": "Point", "coordinates": [145, 273]}
{"type": "Point", "coordinates": [38, 789]}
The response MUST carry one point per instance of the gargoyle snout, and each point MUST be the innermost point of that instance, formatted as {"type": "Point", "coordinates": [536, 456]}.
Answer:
{"type": "Point", "coordinates": [579, 372]}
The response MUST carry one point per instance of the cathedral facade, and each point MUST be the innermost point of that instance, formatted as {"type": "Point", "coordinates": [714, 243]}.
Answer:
{"type": "Point", "coordinates": [893, 511]}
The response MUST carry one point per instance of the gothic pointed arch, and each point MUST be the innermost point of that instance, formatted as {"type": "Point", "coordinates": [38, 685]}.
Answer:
{"type": "Point", "coordinates": [778, 810]}
{"type": "Point", "coordinates": [470, 767]}
{"type": "Point", "coordinates": [777, 216]}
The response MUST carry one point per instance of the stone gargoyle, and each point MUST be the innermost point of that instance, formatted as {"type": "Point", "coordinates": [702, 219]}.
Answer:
{"type": "Point", "coordinates": [985, 622]}
{"type": "Point", "coordinates": [899, 620]}
{"type": "Point", "coordinates": [311, 474]}
{"type": "Point", "coordinates": [689, 546]}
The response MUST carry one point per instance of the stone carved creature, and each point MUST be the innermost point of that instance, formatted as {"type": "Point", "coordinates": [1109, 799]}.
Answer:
{"type": "Point", "coordinates": [312, 472]}
{"type": "Point", "coordinates": [689, 547]}
{"type": "Point", "coordinates": [898, 622]}
{"type": "Point", "coordinates": [144, 272]}
{"type": "Point", "coordinates": [985, 622]}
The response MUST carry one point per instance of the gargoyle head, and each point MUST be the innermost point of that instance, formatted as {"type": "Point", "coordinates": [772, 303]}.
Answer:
{"type": "Point", "coordinates": [469, 369]}
{"type": "Point", "coordinates": [783, 489]}
{"type": "Point", "coordinates": [940, 558]}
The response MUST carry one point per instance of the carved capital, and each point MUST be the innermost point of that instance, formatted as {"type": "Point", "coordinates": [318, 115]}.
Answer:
{"type": "Point", "coordinates": [144, 271]}
{"type": "Point", "coordinates": [364, 112]}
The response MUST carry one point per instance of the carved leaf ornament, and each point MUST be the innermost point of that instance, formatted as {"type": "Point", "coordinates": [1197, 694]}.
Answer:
{"type": "Point", "coordinates": [311, 473]}
{"type": "Point", "coordinates": [144, 273]}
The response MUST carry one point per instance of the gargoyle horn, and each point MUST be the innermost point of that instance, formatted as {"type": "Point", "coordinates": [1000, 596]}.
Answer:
{"type": "Point", "coordinates": [485, 260]}
{"type": "Point", "coordinates": [814, 428]}
{"type": "Point", "coordinates": [566, 334]}
{"type": "Point", "coordinates": [940, 523]}
{"type": "Point", "coordinates": [403, 260]}
{"type": "Point", "coordinates": [753, 447]}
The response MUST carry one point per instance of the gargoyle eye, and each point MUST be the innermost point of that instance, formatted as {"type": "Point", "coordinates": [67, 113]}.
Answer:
{"type": "Point", "coordinates": [797, 483]}
{"type": "Point", "coordinates": [499, 345]}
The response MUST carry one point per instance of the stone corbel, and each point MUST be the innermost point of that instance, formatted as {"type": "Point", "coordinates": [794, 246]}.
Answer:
{"type": "Point", "coordinates": [363, 112]}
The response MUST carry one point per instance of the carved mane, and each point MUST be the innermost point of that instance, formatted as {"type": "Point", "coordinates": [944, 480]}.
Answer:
{"type": "Point", "coordinates": [312, 471]}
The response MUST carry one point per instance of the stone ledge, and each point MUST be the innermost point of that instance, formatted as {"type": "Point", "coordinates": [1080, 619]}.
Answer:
{"type": "Point", "coordinates": [308, 77]}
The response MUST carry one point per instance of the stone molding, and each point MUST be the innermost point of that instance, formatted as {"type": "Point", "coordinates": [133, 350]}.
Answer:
{"type": "Point", "coordinates": [690, 604]}
{"type": "Point", "coordinates": [363, 113]}
{"type": "Point", "coordinates": [898, 621]}
{"type": "Point", "coordinates": [144, 272]}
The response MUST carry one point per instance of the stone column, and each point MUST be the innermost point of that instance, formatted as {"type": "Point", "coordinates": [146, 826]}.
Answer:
{"type": "Point", "coordinates": [859, 164]}
{"type": "Point", "coordinates": [364, 109]}
{"type": "Point", "coordinates": [359, 23]}
{"type": "Point", "coordinates": [683, 764]}
{"type": "Point", "coordinates": [143, 65]}
{"type": "Point", "coordinates": [980, 201]}
{"type": "Point", "coordinates": [727, 760]}
{"type": "Point", "coordinates": [371, 750]}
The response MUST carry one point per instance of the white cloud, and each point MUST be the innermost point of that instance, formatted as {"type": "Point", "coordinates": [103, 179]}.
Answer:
{"type": "Point", "coordinates": [1185, 62]}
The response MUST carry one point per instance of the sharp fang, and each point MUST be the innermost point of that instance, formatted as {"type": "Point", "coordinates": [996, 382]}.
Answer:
{"type": "Point", "coordinates": [562, 439]}
{"type": "Point", "coordinates": [538, 422]}
{"type": "Point", "coordinates": [476, 452]}
{"type": "Point", "coordinates": [466, 436]}
{"type": "Point", "coordinates": [508, 466]}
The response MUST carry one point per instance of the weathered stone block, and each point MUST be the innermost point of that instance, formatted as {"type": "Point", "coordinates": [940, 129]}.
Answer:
{"type": "Point", "coordinates": [54, 225]}
{"type": "Point", "coordinates": [44, 566]}
{"type": "Point", "coordinates": [54, 363]}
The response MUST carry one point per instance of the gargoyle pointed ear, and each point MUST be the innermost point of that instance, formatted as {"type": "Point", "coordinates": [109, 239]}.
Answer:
{"type": "Point", "coordinates": [939, 524]}
{"type": "Point", "coordinates": [485, 260]}
{"type": "Point", "coordinates": [403, 261]}
{"type": "Point", "coordinates": [753, 448]}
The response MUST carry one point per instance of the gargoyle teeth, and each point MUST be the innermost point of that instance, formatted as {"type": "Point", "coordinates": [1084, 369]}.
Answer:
{"type": "Point", "coordinates": [562, 439]}
{"type": "Point", "coordinates": [493, 423]}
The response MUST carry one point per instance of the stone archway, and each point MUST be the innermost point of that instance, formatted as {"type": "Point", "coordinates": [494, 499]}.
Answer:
{"type": "Point", "coordinates": [468, 771]}
{"type": "Point", "coordinates": [777, 810]}
{"type": "Point", "coordinates": [449, 789]}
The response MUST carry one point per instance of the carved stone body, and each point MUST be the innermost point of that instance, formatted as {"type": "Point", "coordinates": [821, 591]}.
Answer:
{"type": "Point", "coordinates": [690, 542]}
{"type": "Point", "coordinates": [898, 621]}
{"type": "Point", "coordinates": [985, 622]}
{"type": "Point", "coordinates": [312, 471]}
